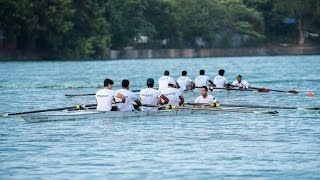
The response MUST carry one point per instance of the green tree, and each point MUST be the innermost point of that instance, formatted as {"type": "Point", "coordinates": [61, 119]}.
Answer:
{"type": "Point", "coordinates": [128, 21]}
{"type": "Point", "coordinates": [305, 12]}
{"type": "Point", "coordinates": [17, 22]}
{"type": "Point", "coordinates": [53, 23]}
{"type": "Point", "coordinates": [243, 20]}
{"type": "Point", "coordinates": [199, 19]}
{"type": "Point", "coordinates": [162, 15]}
{"type": "Point", "coordinates": [90, 35]}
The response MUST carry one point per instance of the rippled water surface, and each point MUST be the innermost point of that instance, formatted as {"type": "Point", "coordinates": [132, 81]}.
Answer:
{"type": "Point", "coordinates": [200, 146]}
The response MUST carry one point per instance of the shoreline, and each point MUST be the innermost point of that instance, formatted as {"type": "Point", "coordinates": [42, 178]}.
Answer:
{"type": "Point", "coordinates": [172, 53]}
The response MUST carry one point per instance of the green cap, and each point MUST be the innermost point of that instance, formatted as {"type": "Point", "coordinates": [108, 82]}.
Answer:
{"type": "Point", "coordinates": [239, 77]}
{"type": "Point", "coordinates": [150, 81]}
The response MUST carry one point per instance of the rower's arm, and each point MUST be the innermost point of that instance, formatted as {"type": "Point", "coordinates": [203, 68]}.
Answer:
{"type": "Point", "coordinates": [138, 102]}
{"type": "Point", "coordinates": [122, 97]}
{"type": "Point", "coordinates": [211, 83]}
{"type": "Point", "coordinates": [166, 100]}
{"type": "Point", "coordinates": [181, 100]}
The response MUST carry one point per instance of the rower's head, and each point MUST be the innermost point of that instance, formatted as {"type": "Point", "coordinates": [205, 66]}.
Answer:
{"type": "Point", "coordinates": [166, 73]}
{"type": "Point", "coordinates": [184, 73]}
{"type": "Point", "coordinates": [150, 82]}
{"type": "Point", "coordinates": [172, 83]}
{"type": "Point", "coordinates": [221, 72]}
{"type": "Point", "coordinates": [108, 83]}
{"type": "Point", "coordinates": [125, 84]}
{"type": "Point", "coordinates": [201, 72]}
{"type": "Point", "coordinates": [204, 91]}
{"type": "Point", "coordinates": [239, 78]}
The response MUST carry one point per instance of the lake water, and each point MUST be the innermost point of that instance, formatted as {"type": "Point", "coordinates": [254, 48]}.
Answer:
{"type": "Point", "coordinates": [201, 146]}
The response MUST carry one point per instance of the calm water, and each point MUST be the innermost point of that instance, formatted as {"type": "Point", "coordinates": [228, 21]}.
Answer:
{"type": "Point", "coordinates": [220, 145]}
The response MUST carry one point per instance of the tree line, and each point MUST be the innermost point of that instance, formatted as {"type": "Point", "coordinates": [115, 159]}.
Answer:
{"type": "Point", "coordinates": [86, 29]}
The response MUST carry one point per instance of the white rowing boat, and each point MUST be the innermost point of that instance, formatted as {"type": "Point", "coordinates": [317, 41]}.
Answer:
{"type": "Point", "coordinates": [93, 114]}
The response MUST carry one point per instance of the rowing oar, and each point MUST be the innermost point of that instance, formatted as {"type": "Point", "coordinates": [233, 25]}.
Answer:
{"type": "Point", "coordinates": [252, 106]}
{"type": "Point", "coordinates": [81, 94]}
{"type": "Point", "coordinates": [168, 107]}
{"type": "Point", "coordinates": [90, 94]}
{"type": "Point", "coordinates": [54, 109]}
{"type": "Point", "coordinates": [270, 107]}
{"type": "Point", "coordinates": [266, 89]}
{"type": "Point", "coordinates": [240, 89]}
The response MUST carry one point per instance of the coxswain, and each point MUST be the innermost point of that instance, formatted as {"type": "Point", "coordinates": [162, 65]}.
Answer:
{"type": "Point", "coordinates": [206, 98]}
{"type": "Point", "coordinates": [239, 83]}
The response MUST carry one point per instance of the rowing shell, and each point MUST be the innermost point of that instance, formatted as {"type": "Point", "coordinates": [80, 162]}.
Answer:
{"type": "Point", "coordinates": [93, 114]}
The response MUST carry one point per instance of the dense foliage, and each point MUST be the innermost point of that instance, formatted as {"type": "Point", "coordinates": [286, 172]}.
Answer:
{"type": "Point", "coordinates": [86, 29]}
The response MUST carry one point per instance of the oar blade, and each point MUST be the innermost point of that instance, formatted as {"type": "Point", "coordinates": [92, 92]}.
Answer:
{"type": "Point", "coordinates": [293, 92]}
{"type": "Point", "coordinates": [265, 90]}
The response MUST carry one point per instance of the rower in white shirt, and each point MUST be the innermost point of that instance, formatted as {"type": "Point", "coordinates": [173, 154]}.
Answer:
{"type": "Point", "coordinates": [150, 96]}
{"type": "Point", "coordinates": [164, 80]}
{"type": "Point", "coordinates": [184, 82]}
{"type": "Point", "coordinates": [220, 81]}
{"type": "Point", "coordinates": [239, 83]}
{"type": "Point", "coordinates": [130, 97]}
{"type": "Point", "coordinates": [106, 95]}
{"type": "Point", "coordinates": [173, 94]}
{"type": "Point", "coordinates": [202, 79]}
{"type": "Point", "coordinates": [205, 98]}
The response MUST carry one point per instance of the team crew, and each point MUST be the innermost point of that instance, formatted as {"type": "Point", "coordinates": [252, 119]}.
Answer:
{"type": "Point", "coordinates": [202, 79]}
{"type": "Point", "coordinates": [130, 97]}
{"type": "Point", "coordinates": [239, 83]}
{"type": "Point", "coordinates": [184, 82]}
{"type": "Point", "coordinates": [106, 95]}
{"type": "Point", "coordinates": [151, 96]}
{"type": "Point", "coordinates": [167, 93]}
{"type": "Point", "coordinates": [220, 81]}
{"type": "Point", "coordinates": [173, 94]}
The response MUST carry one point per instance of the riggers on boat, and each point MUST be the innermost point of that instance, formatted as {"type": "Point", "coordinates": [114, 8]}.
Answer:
{"type": "Point", "coordinates": [93, 114]}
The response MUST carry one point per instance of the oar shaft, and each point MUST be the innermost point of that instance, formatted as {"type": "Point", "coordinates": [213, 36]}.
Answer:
{"type": "Point", "coordinates": [275, 90]}
{"type": "Point", "coordinates": [265, 107]}
{"type": "Point", "coordinates": [91, 94]}
{"type": "Point", "coordinates": [82, 94]}
{"type": "Point", "coordinates": [47, 110]}
{"type": "Point", "coordinates": [230, 89]}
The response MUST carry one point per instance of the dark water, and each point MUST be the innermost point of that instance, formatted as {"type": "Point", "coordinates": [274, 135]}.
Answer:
{"type": "Point", "coordinates": [203, 146]}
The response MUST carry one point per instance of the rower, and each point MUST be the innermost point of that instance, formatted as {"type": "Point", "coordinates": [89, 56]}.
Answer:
{"type": "Point", "coordinates": [130, 97]}
{"type": "Point", "coordinates": [239, 83]}
{"type": "Point", "coordinates": [185, 82]}
{"type": "Point", "coordinates": [202, 80]}
{"type": "Point", "coordinates": [106, 95]}
{"type": "Point", "coordinates": [220, 81]}
{"type": "Point", "coordinates": [205, 97]}
{"type": "Point", "coordinates": [173, 94]}
{"type": "Point", "coordinates": [164, 80]}
{"type": "Point", "coordinates": [150, 96]}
